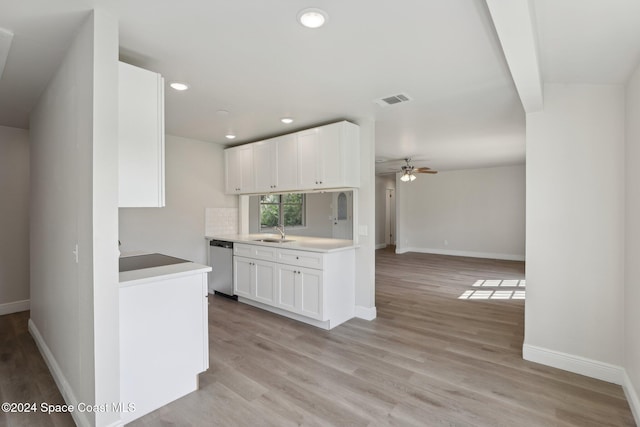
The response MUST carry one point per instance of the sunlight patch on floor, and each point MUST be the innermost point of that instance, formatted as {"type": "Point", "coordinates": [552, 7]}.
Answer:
{"type": "Point", "coordinates": [507, 290]}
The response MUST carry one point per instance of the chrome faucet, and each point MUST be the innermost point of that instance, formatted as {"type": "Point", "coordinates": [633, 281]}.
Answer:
{"type": "Point", "coordinates": [280, 228]}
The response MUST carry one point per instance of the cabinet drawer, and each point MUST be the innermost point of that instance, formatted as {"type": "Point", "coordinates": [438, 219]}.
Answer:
{"type": "Point", "coordinates": [301, 258]}
{"type": "Point", "coordinates": [242, 250]}
{"type": "Point", "coordinates": [255, 251]}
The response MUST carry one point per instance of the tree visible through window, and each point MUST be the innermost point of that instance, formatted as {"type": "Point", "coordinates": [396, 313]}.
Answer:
{"type": "Point", "coordinates": [277, 209]}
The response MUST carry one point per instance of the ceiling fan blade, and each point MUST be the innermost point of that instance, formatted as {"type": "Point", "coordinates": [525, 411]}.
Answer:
{"type": "Point", "coordinates": [424, 171]}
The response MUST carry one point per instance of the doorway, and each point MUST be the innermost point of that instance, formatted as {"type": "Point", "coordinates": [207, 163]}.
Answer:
{"type": "Point", "coordinates": [390, 217]}
{"type": "Point", "coordinates": [342, 205]}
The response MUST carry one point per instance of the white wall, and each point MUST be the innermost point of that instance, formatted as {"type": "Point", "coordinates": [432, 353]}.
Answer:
{"type": "Point", "coordinates": [478, 212]}
{"type": "Point", "coordinates": [632, 248]}
{"type": "Point", "coordinates": [73, 204]}
{"type": "Point", "coordinates": [194, 173]}
{"type": "Point", "coordinates": [14, 220]}
{"type": "Point", "coordinates": [366, 220]}
{"type": "Point", "coordinates": [575, 229]}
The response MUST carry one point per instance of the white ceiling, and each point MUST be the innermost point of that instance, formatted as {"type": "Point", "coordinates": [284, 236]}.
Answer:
{"type": "Point", "coordinates": [254, 60]}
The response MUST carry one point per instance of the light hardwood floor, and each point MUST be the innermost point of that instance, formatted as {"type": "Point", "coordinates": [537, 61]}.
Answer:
{"type": "Point", "coordinates": [429, 359]}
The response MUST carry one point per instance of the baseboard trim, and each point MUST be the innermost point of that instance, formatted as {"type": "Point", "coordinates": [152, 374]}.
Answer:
{"type": "Point", "coordinates": [15, 307]}
{"type": "Point", "coordinates": [471, 254]}
{"type": "Point", "coordinates": [381, 246]}
{"type": "Point", "coordinates": [63, 385]}
{"type": "Point", "coordinates": [576, 364]}
{"type": "Point", "coordinates": [366, 313]}
{"type": "Point", "coordinates": [632, 397]}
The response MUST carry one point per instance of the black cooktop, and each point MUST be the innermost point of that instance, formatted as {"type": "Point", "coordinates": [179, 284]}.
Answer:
{"type": "Point", "coordinates": [140, 262]}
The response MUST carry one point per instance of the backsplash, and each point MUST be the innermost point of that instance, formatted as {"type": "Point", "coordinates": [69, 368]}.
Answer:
{"type": "Point", "coordinates": [220, 221]}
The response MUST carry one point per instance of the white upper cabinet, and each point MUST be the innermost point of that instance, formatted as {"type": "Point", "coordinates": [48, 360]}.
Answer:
{"type": "Point", "coordinates": [329, 156]}
{"type": "Point", "coordinates": [319, 158]}
{"type": "Point", "coordinates": [276, 164]}
{"type": "Point", "coordinates": [287, 163]}
{"type": "Point", "coordinates": [239, 178]}
{"type": "Point", "coordinates": [265, 154]}
{"type": "Point", "coordinates": [140, 137]}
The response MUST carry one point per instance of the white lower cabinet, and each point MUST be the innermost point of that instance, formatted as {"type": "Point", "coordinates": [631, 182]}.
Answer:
{"type": "Point", "coordinates": [254, 279]}
{"type": "Point", "coordinates": [283, 281]}
{"type": "Point", "coordinates": [164, 341]}
{"type": "Point", "coordinates": [299, 290]}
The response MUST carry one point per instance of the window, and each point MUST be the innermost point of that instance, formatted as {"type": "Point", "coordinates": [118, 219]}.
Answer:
{"type": "Point", "coordinates": [287, 209]}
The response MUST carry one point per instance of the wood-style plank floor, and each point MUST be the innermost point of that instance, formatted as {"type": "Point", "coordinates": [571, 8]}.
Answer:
{"type": "Point", "coordinates": [429, 359]}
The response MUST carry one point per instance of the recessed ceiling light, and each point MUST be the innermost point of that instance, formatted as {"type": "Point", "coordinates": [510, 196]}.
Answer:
{"type": "Point", "coordinates": [313, 17]}
{"type": "Point", "coordinates": [179, 86]}
{"type": "Point", "coordinates": [286, 120]}
{"type": "Point", "coordinates": [230, 136]}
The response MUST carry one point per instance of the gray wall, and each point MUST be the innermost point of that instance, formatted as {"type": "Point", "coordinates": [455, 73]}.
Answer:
{"type": "Point", "coordinates": [632, 233]}
{"type": "Point", "coordinates": [14, 220]}
{"type": "Point", "coordinates": [474, 212]}
{"type": "Point", "coordinates": [194, 173]}
{"type": "Point", "coordinates": [575, 226]}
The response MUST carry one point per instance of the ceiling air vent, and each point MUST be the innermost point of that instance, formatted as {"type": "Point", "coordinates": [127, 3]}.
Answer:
{"type": "Point", "coordinates": [393, 99]}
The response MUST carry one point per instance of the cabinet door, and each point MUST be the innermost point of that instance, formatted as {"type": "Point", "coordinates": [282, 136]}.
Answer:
{"type": "Point", "coordinates": [311, 301]}
{"type": "Point", "coordinates": [299, 290]}
{"type": "Point", "coordinates": [330, 155]}
{"type": "Point", "coordinates": [232, 176]}
{"type": "Point", "coordinates": [265, 164]}
{"type": "Point", "coordinates": [287, 162]}
{"type": "Point", "coordinates": [247, 184]}
{"type": "Point", "coordinates": [286, 294]}
{"type": "Point", "coordinates": [242, 277]}
{"type": "Point", "coordinates": [238, 162]}
{"type": "Point", "coordinates": [140, 137]}
{"type": "Point", "coordinates": [308, 159]}
{"type": "Point", "coordinates": [265, 274]}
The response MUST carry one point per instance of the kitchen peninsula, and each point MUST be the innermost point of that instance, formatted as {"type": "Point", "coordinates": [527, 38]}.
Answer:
{"type": "Point", "coordinates": [164, 342]}
{"type": "Point", "coordinates": [309, 279]}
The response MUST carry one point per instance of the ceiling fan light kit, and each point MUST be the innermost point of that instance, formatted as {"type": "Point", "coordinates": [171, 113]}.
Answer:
{"type": "Point", "coordinates": [409, 171]}
{"type": "Point", "coordinates": [407, 177]}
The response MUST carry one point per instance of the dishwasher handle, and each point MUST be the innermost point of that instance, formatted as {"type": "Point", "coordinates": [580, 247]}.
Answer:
{"type": "Point", "coordinates": [221, 244]}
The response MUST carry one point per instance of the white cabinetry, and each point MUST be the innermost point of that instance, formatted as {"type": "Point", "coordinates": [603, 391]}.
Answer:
{"type": "Point", "coordinates": [328, 156]}
{"type": "Point", "coordinates": [287, 166]}
{"type": "Point", "coordinates": [299, 290]}
{"type": "Point", "coordinates": [254, 279]}
{"type": "Point", "coordinates": [318, 288]}
{"type": "Point", "coordinates": [254, 272]}
{"type": "Point", "coordinates": [265, 154]}
{"type": "Point", "coordinates": [140, 137]}
{"type": "Point", "coordinates": [319, 158]}
{"type": "Point", "coordinates": [275, 164]}
{"type": "Point", "coordinates": [164, 341]}
{"type": "Point", "coordinates": [239, 177]}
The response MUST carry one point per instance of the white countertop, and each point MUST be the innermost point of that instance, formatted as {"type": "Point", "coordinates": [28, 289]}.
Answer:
{"type": "Point", "coordinates": [301, 243]}
{"type": "Point", "coordinates": [145, 275]}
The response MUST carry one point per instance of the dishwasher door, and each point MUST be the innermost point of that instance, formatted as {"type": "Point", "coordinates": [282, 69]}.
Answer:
{"type": "Point", "coordinates": [221, 261]}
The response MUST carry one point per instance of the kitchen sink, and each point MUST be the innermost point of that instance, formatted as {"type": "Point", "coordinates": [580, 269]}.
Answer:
{"type": "Point", "coordinates": [274, 240]}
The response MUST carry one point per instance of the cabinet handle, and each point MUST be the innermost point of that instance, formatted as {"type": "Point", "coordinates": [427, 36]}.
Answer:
{"type": "Point", "coordinates": [297, 257]}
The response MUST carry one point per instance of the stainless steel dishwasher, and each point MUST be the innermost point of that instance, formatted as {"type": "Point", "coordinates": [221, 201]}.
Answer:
{"type": "Point", "coordinates": [221, 261]}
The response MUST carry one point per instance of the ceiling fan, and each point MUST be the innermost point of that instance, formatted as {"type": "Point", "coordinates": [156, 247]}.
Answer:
{"type": "Point", "coordinates": [409, 171]}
